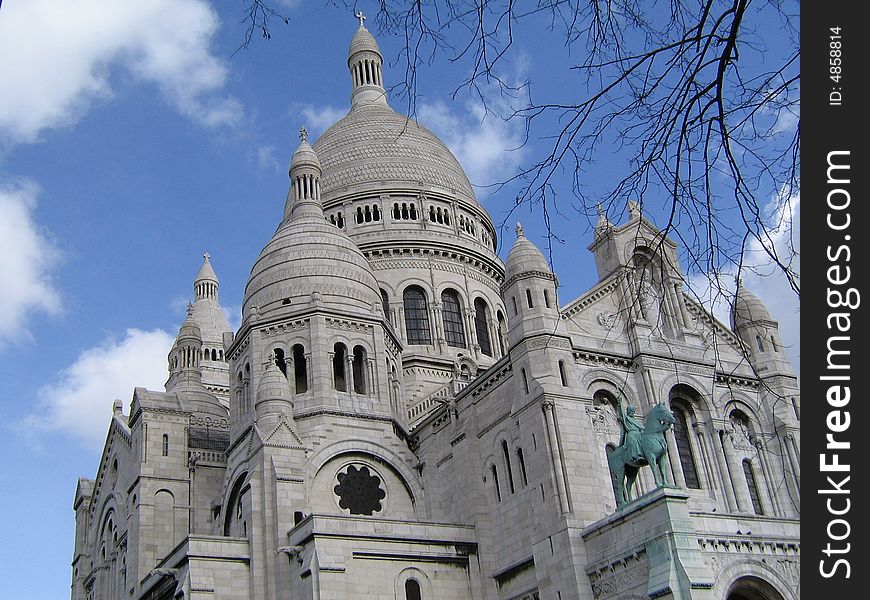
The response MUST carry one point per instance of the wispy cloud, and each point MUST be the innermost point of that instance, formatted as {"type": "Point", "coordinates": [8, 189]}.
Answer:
{"type": "Point", "coordinates": [79, 402]}
{"type": "Point", "coordinates": [763, 277]}
{"type": "Point", "coordinates": [57, 58]}
{"type": "Point", "coordinates": [487, 144]}
{"type": "Point", "coordinates": [316, 119]}
{"type": "Point", "coordinates": [27, 257]}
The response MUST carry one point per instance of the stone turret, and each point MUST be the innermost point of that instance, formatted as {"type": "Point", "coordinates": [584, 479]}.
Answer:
{"type": "Point", "coordinates": [752, 322]}
{"type": "Point", "coordinates": [529, 291]}
{"type": "Point", "coordinates": [365, 62]}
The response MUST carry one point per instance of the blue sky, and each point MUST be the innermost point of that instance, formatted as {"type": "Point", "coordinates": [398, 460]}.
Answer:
{"type": "Point", "coordinates": [133, 139]}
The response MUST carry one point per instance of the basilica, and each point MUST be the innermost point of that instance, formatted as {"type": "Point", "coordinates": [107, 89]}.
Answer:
{"type": "Point", "coordinates": [403, 415]}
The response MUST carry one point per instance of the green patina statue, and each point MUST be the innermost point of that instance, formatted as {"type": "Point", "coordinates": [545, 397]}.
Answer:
{"type": "Point", "coordinates": [641, 444]}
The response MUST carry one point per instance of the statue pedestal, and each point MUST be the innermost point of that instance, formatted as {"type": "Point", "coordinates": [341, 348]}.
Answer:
{"type": "Point", "coordinates": [648, 549]}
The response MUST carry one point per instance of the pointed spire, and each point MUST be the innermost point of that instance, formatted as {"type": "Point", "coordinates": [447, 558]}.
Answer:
{"type": "Point", "coordinates": [205, 285]}
{"type": "Point", "coordinates": [603, 225]}
{"type": "Point", "coordinates": [365, 61]}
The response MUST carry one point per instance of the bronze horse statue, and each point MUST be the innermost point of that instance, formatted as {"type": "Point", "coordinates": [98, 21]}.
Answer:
{"type": "Point", "coordinates": [639, 447]}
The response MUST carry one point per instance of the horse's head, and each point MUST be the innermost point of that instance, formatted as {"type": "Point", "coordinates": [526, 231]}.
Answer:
{"type": "Point", "coordinates": [662, 414]}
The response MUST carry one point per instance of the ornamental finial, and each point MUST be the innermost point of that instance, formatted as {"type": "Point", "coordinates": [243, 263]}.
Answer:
{"type": "Point", "coordinates": [303, 134]}
{"type": "Point", "coordinates": [206, 255]}
{"type": "Point", "coordinates": [520, 232]}
{"type": "Point", "coordinates": [361, 18]}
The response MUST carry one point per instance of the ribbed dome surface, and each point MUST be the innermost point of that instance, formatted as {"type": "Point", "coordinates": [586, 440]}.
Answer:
{"type": "Point", "coordinates": [747, 309]}
{"type": "Point", "coordinates": [376, 148]}
{"type": "Point", "coordinates": [308, 255]}
{"type": "Point", "coordinates": [363, 40]}
{"type": "Point", "coordinates": [190, 329]}
{"type": "Point", "coordinates": [525, 257]}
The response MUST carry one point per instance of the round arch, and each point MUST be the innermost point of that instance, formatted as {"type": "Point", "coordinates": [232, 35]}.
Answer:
{"type": "Point", "coordinates": [754, 576]}
{"type": "Point", "coordinates": [380, 453]}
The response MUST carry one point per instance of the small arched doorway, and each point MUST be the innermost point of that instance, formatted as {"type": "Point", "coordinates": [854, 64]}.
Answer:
{"type": "Point", "coordinates": [752, 588]}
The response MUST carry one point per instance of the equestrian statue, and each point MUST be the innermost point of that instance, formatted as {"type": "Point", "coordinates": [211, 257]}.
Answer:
{"type": "Point", "coordinates": [641, 444]}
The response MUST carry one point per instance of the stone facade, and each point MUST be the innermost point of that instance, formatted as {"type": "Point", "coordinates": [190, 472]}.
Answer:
{"type": "Point", "coordinates": [402, 415]}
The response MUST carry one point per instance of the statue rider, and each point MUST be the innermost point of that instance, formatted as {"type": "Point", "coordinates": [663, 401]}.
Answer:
{"type": "Point", "coordinates": [632, 428]}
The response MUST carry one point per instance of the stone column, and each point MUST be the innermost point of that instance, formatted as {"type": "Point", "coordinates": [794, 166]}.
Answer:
{"type": "Point", "coordinates": [705, 458]}
{"type": "Point", "coordinates": [684, 310]}
{"type": "Point", "coordinates": [694, 445]}
{"type": "Point", "coordinates": [738, 479]}
{"type": "Point", "coordinates": [724, 473]}
{"type": "Point", "coordinates": [768, 498]}
{"type": "Point", "coordinates": [679, 479]}
{"type": "Point", "coordinates": [549, 409]}
{"type": "Point", "coordinates": [793, 457]}
{"type": "Point", "coordinates": [437, 326]}
{"type": "Point", "coordinates": [471, 336]}
{"type": "Point", "coordinates": [348, 372]}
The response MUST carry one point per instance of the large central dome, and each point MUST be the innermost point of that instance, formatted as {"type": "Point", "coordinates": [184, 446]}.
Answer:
{"type": "Point", "coordinates": [376, 148]}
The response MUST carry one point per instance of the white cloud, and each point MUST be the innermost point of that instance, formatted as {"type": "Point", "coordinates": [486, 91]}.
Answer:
{"type": "Point", "coordinates": [27, 256]}
{"type": "Point", "coordinates": [764, 278]}
{"type": "Point", "coordinates": [267, 159]}
{"type": "Point", "coordinates": [316, 119]}
{"type": "Point", "coordinates": [80, 401]}
{"type": "Point", "coordinates": [56, 59]}
{"type": "Point", "coordinates": [488, 146]}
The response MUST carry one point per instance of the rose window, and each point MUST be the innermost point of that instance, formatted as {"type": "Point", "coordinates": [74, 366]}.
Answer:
{"type": "Point", "coordinates": [359, 491]}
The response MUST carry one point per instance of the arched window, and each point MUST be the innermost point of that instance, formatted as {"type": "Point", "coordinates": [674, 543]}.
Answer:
{"type": "Point", "coordinates": [280, 362]}
{"type": "Point", "coordinates": [454, 331]}
{"type": "Point", "coordinates": [416, 316]}
{"type": "Point", "coordinates": [529, 298]}
{"type": "Point", "coordinates": [507, 465]}
{"type": "Point", "coordinates": [412, 590]}
{"type": "Point", "coordinates": [760, 344]}
{"type": "Point", "coordinates": [164, 449]}
{"type": "Point", "coordinates": [773, 344]}
{"type": "Point", "coordinates": [481, 327]}
{"type": "Point", "coordinates": [300, 370]}
{"type": "Point", "coordinates": [684, 449]}
{"type": "Point", "coordinates": [339, 359]}
{"type": "Point", "coordinates": [525, 381]}
{"type": "Point", "coordinates": [360, 363]}
{"type": "Point", "coordinates": [521, 459]}
{"type": "Point", "coordinates": [753, 487]}
{"type": "Point", "coordinates": [494, 471]}
{"type": "Point", "coordinates": [546, 299]}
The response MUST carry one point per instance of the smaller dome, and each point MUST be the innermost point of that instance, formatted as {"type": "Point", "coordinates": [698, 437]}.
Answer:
{"type": "Point", "coordinates": [525, 257]}
{"type": "Point", "coordinates": [747, 309]}
{"type": "Point", "coordinates": [304, 155]}
{"type": "Point", "coordinates": [363, 41]}
{"type": "Point", "coordinates": [189, 330]}
{"type": "Point", "coordinates": [274, 386]}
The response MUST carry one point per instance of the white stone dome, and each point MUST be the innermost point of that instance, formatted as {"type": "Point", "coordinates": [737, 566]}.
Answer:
{"type": "Point", "coordinates": [309, 261]}
{"type": "Point", "coordinates": [375, 148]}
{"type": "Point", "coordinates": [747, 309]}
{"type": "Point", "coordinates": [525, 257]}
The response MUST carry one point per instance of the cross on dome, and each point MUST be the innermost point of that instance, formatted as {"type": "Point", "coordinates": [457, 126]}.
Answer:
{"type": "Point", "coordinates": [206, 255]}
{"type": "Point", "coordinates": [361, 18]}
{"type": "Point", "coordinates": [303, 134]}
